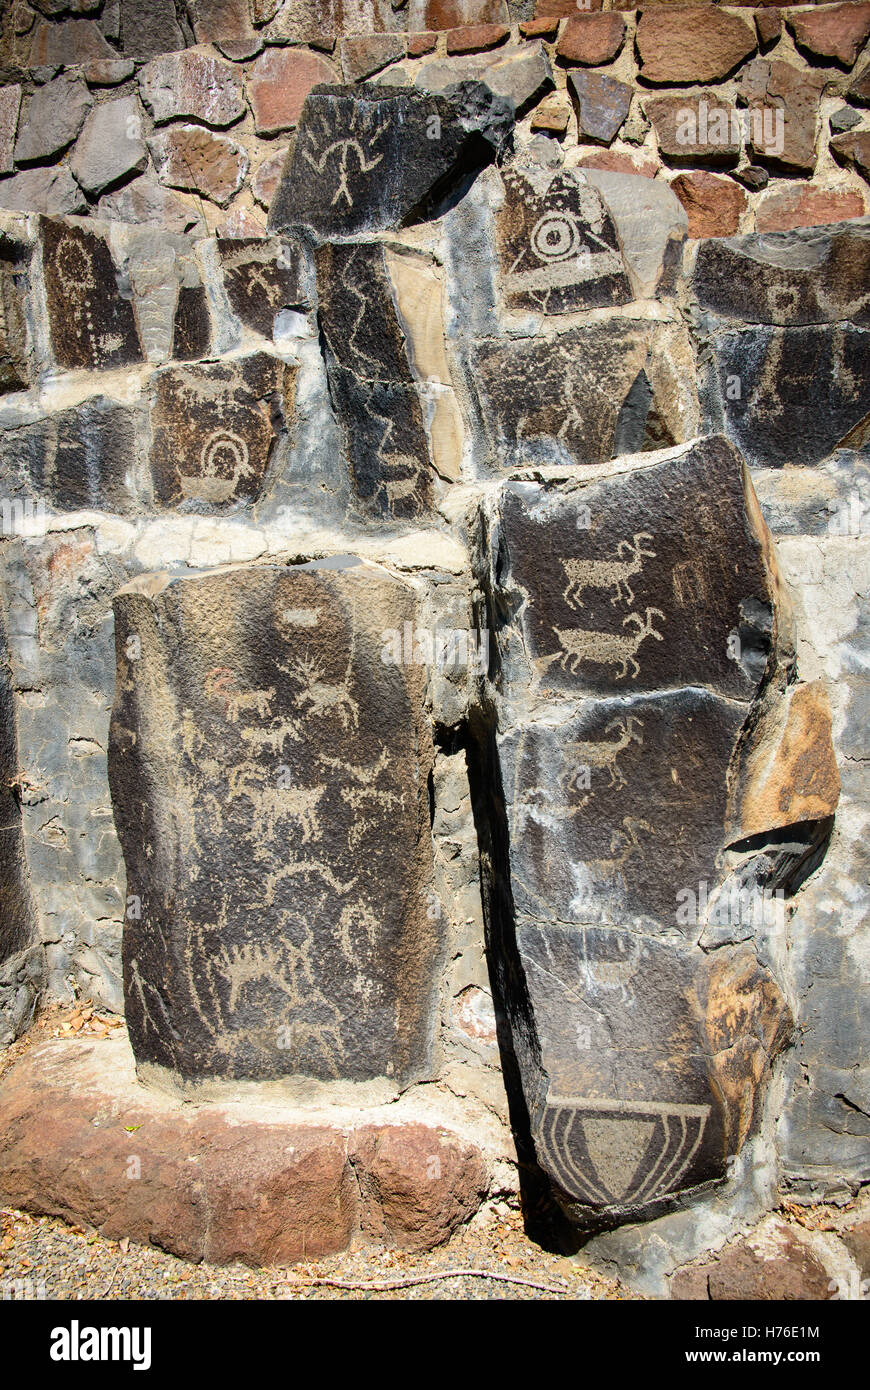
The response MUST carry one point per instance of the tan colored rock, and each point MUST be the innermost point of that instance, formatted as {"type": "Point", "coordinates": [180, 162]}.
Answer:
{"type": "Point", "coordinates": [278, 83]}
{"type": "Point", "coordinates": [832, 31]}
{"type": "Point", "coordinates": [265, 181]}
{"type": "Point", "coordinates": [591, 38]}
{"type": "Point", "coordinates": [618, 162]}
{"type": "Point", "coordinates": [806, 206]}
{"type": "Point", "coordinates": [714, 204]}
{"type": "Point", "coordinates": [685, 44]}
{"type": "Point", "coordinates": [552, 115]}
{"type": "Point", "coordinates": [198, 160]}
{"type": "Point", "coordinates": [792, 773]}
{"type": "Point", "coordinates": [10, 100]}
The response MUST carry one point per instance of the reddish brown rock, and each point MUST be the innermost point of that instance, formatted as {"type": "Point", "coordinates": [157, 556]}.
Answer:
{"type": "Point", "coordinates": [592, 38]}
{"type": "Point", "coordinates": [477, 37]}
{"type": "Point", "coordinates": [837, 31]}
{"type": "Point", "coordinates": [221, 19]}
{"type": "Point", "coordinates": [268, 176]}
{"type": "Point", "coordinates": [771, 1264]}
{"type": "Point", "coordinates": [240, 223]}
{"type": "Point", "coordinates": [200, 161]}
{"type": "Point", "coordinates": [691, 1282]}
{"type": "Point", "coordinates": [562, 9]}
{"type": "Point", "coordinates": [768, 22]}
{"type": "Point", "coordinates": [219, 1182]}
{"type": "Point", "coordinates": [416, 1188]}
{"type": "Point", "coordinates": [783, 104]}
{"type": "Point", "coordinates": [713, 203]}
{"type": "Point", "coordinates": [546, 28]}
{"type": "Point", "coordinates": [805, 206]}
{"type": "Point", "coordinates": [278, 83]}
{"type": "Point", "coordinates": [456, 14]}
{"type": "Point", "coordinates": [854, 148]}
{"type": "Point", "coordinates": [685, 44]}
{"type": "Point", "coordinates": [420, 44]}
{"type": "Point", "coordinates": [618, 162]}
{"type": "Point", "coordinates": [363, 55]}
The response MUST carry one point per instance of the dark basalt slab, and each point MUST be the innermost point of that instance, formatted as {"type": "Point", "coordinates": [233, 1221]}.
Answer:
{"type": "Point", "coordinates": [371, 384]}
{"type": "Point", "coordinates": [15, 369]}
{"type": "Point", "coordinates": [370, 158]}
{"type": "Point", "coordinates": [635, 794]}
{"type": "Point", "coordinates": [647, 1048]}
{"type": "Point", "coordinates": [812, 275]}
{"type": "Point", "coordinates": [543, 397]}
{"type": "Point", "coordinates": [262, 277]}
{"type": "Point", "coordinates": [638, 627]}
{"type": "Point", "coordinates": [213, 430]}
{"type": "Point", "coordinates": [269, 785]}
{"type": "Point", "coordinates": [558, 250]}
{"type": "Point", "coordinates": [92, 324]}
{"type": "Point", "coordinates": [16, 919]}
{"type": "Point", "coordinates": [793, 395]}
{"type": "Point", "coordinates": [81, 458]}
{"type": "Point", "coordinates": [614, 599]}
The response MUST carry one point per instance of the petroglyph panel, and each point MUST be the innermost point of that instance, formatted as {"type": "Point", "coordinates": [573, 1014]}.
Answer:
{"type": "Point", "coordinates": [92, 325]}
{"type": "Point", "coordinates": [213, 429]}
{"type": "Point", "coordinates": [645, 580]}
{"type": "Point", "coordinates": [373, 392]}
{"type": "Point", "coordinates": [631, 1115]}
{"type": "Point", "coordinates": [557, 244]}
{"type": "Point", "coordinates": [634, 792]}
{"type": "Point", "coordinates": [378, 157]}
{"type": "Point", "coordinates": [262, 277]}
{"type": "Point", "coordinates": [269, 784]}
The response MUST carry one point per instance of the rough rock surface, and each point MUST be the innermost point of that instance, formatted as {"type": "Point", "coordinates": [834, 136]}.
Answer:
{"type": "Point", "coordinates": [220, 1182]}
{"type": "Point", "coordinates": [682, 44]}
{"type": "Point", "coordinates": [280, 913]}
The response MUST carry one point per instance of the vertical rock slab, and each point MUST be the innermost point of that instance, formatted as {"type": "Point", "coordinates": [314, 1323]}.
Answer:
{"type": "Point", "coordinates": [16, 918]}
{"type": "Point", "coordinates": [631, 670]}
{"type": "Point", "coordinates": [269, 783]}
{"type": "Point", "coordinates": [92, 325]}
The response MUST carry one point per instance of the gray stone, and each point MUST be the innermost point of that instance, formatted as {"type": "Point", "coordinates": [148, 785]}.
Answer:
{"type": "Point", "coordinates": [50, 191]}
{"type": "Point", "coordinates": [844, 119]}
{"type": "Point", "coordinates": [520, 75]}
{"type": "Point", "coordinates": [281, 852]}
{"type": "Point", "coordinates": [651, 222]}
{"type": "Point", "coordinates": [81, 458]}
{"type": "Point", "coordinates": [145, 201]}
{"type": "Point", "coordinates": [193, 84]}
{"type": "Point", "coordinates": [110, 145]}
{"type": "Point", "coordinates": [149, 27]}
{"type": "Point", "coordinates": [51, 118]}
{"type": "Point", "coordinates": [602, 105]}
{"type": "Point", "coordinates": [72, 43]}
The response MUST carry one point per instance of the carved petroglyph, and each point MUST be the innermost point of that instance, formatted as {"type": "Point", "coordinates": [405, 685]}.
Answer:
{"type": "Point", "coordinates": [579, 645]}
{"type": "Point", "coordinates": [608, 574]}
{"type": "Point", "coordinates": [583, 753]}
{"type": "Point", "coordinates": [620, 1153]}
{"type": "Point", "coordinates": [351, 153]}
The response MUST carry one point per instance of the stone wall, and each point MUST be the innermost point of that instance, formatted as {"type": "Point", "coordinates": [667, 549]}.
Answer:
{"type": "Point", "coordinates": [434, 573]}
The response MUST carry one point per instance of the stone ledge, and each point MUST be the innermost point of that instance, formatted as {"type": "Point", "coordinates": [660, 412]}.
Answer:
{"type": "Point", "coordinates": [81, 1139]}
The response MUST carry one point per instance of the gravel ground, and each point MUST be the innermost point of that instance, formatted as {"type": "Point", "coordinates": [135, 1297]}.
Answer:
{"type": "Point", "coordinates": [58, 1261]}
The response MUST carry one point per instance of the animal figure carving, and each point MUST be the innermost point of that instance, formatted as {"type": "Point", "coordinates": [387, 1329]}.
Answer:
{"type": "Point", "coordinates": [606, 648]}
{"type": "Point", "coordinates": [604, 753]}
{"type": "Point", "coordinates": [608, 574]}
